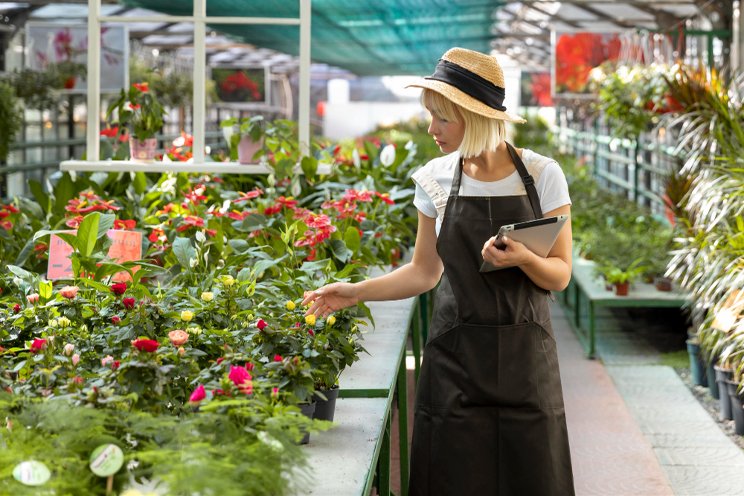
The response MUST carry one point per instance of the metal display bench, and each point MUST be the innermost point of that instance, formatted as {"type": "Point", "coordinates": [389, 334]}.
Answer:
{"type": "Point", "coordinates": [586, 291]}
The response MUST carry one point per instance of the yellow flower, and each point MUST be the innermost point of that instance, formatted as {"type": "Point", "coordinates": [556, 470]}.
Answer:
{"type": "Point", "coordinates": [207, 296]}
{"type": "Point", "coordinates": [227, 280]}
{"type": "Point", "coordinates": [63, 321]}
{"type": "Point", "coordinates": [291, 305]}
{"type": "Point", "coordinates": [187, 315]}
{"type": "Point", "coordinates": [310, 319]}
{"type": "Point", "coordinates": [330, 320]}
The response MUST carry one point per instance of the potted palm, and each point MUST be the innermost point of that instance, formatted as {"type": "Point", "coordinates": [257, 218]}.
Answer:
{"type": "Point", "coordinates": [139, 111]}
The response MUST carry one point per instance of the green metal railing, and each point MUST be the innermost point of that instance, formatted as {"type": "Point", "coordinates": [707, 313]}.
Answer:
{"type": "Point", "coordinates": [636, 169]}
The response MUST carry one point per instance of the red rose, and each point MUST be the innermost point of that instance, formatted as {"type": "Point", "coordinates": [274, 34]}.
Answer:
{"type": "Point", "coordinates": [38, 345]}
{"type": "Point", "coordinates": [128, 303]}
{"type": "Point", "coordinates": [115, 319]}
{"type": "Point", "coordinates": [119, 288]}
{"type": "Point", "coordinates": [261, 324]}
{"type": "Point", "coordinates": [16, 308]}
{"type": "Point", "coordinates": [148, 345]}
{"type": "Point", "coordinates": [277, 358]}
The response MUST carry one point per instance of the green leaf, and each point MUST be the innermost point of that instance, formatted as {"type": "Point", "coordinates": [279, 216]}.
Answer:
{"type": "Point", "coordinates": [139, 183]}
{"type": "Point", "coordinates": [88, 233]}
{"type": "Point", "coordinates": [340, 250]}
{"type": "Point", "coordinates": [69, 238]}
{"type": "Point", "coordinates": [45, 289]}
{"type": "Point", "coordinates": [64, 191]}
{"type": "Point", "coordinates": [309, 167]}
{"type": "Point", "coordinates": [352, 238]}
{"type": "Point", "coordinates": [37, 190]}
{"type": "Point", "coordinates": [184, 251]}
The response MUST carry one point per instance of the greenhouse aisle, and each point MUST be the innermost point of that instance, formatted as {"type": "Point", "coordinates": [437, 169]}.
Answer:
{"type": "Point", "coordinates": [624, 442]}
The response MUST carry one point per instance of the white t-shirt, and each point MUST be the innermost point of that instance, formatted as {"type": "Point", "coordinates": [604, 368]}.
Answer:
{"type": "Point", "coordinates": [550, 183]}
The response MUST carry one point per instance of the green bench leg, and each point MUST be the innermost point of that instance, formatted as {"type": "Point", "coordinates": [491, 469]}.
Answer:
{"type": "Point", "coordinates": [416, 343]}
{"type": "Point", "coordinates": [403, 427]}
{"type": "Point", "coordinates": [383, 462]}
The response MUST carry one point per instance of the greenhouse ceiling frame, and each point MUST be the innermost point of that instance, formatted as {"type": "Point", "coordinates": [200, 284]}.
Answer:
{"type": "Point", "coordinates": [199, 19]}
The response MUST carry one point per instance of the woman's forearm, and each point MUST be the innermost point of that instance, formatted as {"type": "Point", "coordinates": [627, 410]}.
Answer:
{"type": "Point", "coordinates": [551, 273]}
{"type": "Point", "coordinates": [409, 280]}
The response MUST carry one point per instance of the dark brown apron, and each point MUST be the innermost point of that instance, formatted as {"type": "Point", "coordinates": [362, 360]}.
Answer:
{"type": "Point", "coordinates": [489, 416]}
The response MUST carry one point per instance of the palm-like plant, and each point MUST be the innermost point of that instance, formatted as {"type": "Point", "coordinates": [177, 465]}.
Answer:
{"type": "Point", "coordinates": [709, 254]}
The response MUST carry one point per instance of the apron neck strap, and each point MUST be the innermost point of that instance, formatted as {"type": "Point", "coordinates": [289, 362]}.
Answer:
{"type": "Point", "coordinates": [527, 179]}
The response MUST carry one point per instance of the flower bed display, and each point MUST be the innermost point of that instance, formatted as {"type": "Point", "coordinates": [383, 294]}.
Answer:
{"type": "Point", "coordinates": [195, 357]}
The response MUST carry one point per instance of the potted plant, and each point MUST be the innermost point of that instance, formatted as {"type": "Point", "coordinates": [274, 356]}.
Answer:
{"type": "Point", "coordinates": [620, 277]}
{"type": "Point", "coordinates": [244, 137]}
{"type": "Point", "coordinates": [10, 119]}
{"type": "Point", "coordinates": [139, 111]}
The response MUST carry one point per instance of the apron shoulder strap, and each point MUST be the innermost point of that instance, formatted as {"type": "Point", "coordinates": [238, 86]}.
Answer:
{"type": "Point", "coordinates": [432, 188]}
{"type": "Point", "coordinates": [528, 180]}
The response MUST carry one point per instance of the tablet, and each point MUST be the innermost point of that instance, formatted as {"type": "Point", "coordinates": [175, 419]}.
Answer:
{"type": "Point", "coordinates": [538, 235]}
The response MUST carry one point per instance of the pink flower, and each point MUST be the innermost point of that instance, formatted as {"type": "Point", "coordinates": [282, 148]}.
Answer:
{"type": "Point", "coordinates": [239, 375]}
{"type": "Point", "coordinates": [75, 359]}
{"type": "Point", "coordinates": [107, 360]}
{"type": "Point", "coordinates": [275, 392]}
{"type": "Point", "coordinates": [115, 319]}
{"type": "Point", "coordinates": [37, 345]}
{"type": "Point", "coordinates": [118, 288]}
{"type": "Point", "coordinates": [261, 324]}
{"type": "Point", "coordinates": [178, 337]}
{"type": "Point", "coordinates": [277, 358]}
{"type": "Point", "coordinates": [68, 349]}
{"type": "Point", "coordinates": [128, 303]}
{"type": "Point", "coordinates": [69, 292]}
{"type": "Point", "coordinates": [33, 298]}
{"type": "Point", "coordinates": [148, 345]}
{"type": "Point", "coordinates": [198, 394]}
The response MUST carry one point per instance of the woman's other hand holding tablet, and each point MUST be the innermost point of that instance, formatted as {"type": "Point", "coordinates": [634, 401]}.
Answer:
{"type": "Point", "coordinates": [512, 254]}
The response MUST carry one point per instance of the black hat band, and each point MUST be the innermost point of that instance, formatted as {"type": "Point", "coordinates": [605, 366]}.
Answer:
{"type": "Point", "coordinates": [470, 83]}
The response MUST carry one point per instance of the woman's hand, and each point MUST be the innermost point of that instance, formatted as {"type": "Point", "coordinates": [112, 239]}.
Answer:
{"type": "Point", "coordinates": [328, 299]}
{"type": "Point", "coordinates": [513, 254]}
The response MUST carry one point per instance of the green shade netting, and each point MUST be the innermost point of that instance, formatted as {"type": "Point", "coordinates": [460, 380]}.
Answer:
{"type": "Point", "coordinates": [381, 37]}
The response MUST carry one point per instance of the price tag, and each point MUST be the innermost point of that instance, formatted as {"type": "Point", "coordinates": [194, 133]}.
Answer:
{"type": "Point", "coordinates": [106, 460]}
{"type": "Point", "coordinates": [31, 473]}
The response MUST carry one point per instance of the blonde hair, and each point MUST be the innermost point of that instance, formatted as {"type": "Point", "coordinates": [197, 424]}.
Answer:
{"type": "Point", "coordinates": [481, 133]}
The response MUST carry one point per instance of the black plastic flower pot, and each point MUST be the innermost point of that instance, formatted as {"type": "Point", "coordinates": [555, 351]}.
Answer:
{"type": "Point", "coordinates": [710, 374]}
{"type": "Point", "coordinates": [308, 410]}
{"type": "Point", "coordinates": [724, 402]}
{"type": "Point", "coordinates": [325, 408]}
{"type": "Point", "coordinates": [736, 406]}
{"type": "Point", "coordinates": [697, 368]}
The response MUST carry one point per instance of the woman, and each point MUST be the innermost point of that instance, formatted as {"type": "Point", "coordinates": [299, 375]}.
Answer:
{"type": "Point", "coordinates": [489, 408]}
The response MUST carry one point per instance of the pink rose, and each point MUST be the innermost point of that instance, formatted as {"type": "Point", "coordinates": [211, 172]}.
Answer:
{"type": "Point", "coordinates": [198, 394]}
{"type": "Point", "coordinates": [115, 319]}
{"type": "Point", "coordinates": [178, 337]}
{"type": "Point", "coordinates": [68, 349]}
{"type": "Point", "coordinates": [69, 292]}
{"type": "Point", "coordinates": [239, 375]}
{"type": "Point", "coordinates": [107, 360]}
{"type": "Point", "coordinates": [75, 359]}
{"type": "Point", "coordinates": [33, 298]}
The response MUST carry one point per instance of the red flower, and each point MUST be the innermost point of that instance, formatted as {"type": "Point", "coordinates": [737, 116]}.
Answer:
{"type": "Point", "coordinates": [115, 319]}
{"type": "Point", "coordinates": [277, 358]}
{"type": "Point", "coordinates": [249, 366]}
{"type": "Point", "coordinates": [311, 332]}
{"type": "Point", "coordinates": [128, 303]}
{"type": "Point", "coordinates": [37, 345]}
{"type": "Point", "coordinates": [198, 394]}
{"type": "Point", "coordinates": [7, 225]}
{"type": "Point", "coordinates": [261, 324]}
{"type": "Point", "coordinates": [110, 132]}
{"type": "Point", "coordinates": [16, 308]}
{"type": "Point", "coordinates": [148, 345]}
{"type": "Point", "coordinates": [143, 87]}
{"type": "Point", "coordinates": [220, 360]}
{"type": "Point", "coordinates": [118, 288]}
{"type": "Point", "coordinates": [248, 196]}
{"type": "Point", "coordinates": [128, 224]}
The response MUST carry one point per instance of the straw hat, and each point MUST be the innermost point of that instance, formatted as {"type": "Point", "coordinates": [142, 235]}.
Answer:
{"type": "Point", "coordinates": [472, 80]}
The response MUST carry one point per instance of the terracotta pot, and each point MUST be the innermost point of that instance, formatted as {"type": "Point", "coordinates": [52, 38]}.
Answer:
{"type": "Point", "coordinates": [621, 288]}
{"type": "Point", "coordinates": [143, 150]}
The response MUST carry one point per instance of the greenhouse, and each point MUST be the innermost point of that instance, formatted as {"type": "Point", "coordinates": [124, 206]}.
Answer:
{"type": "Point", "coordinates": [403, 247]}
